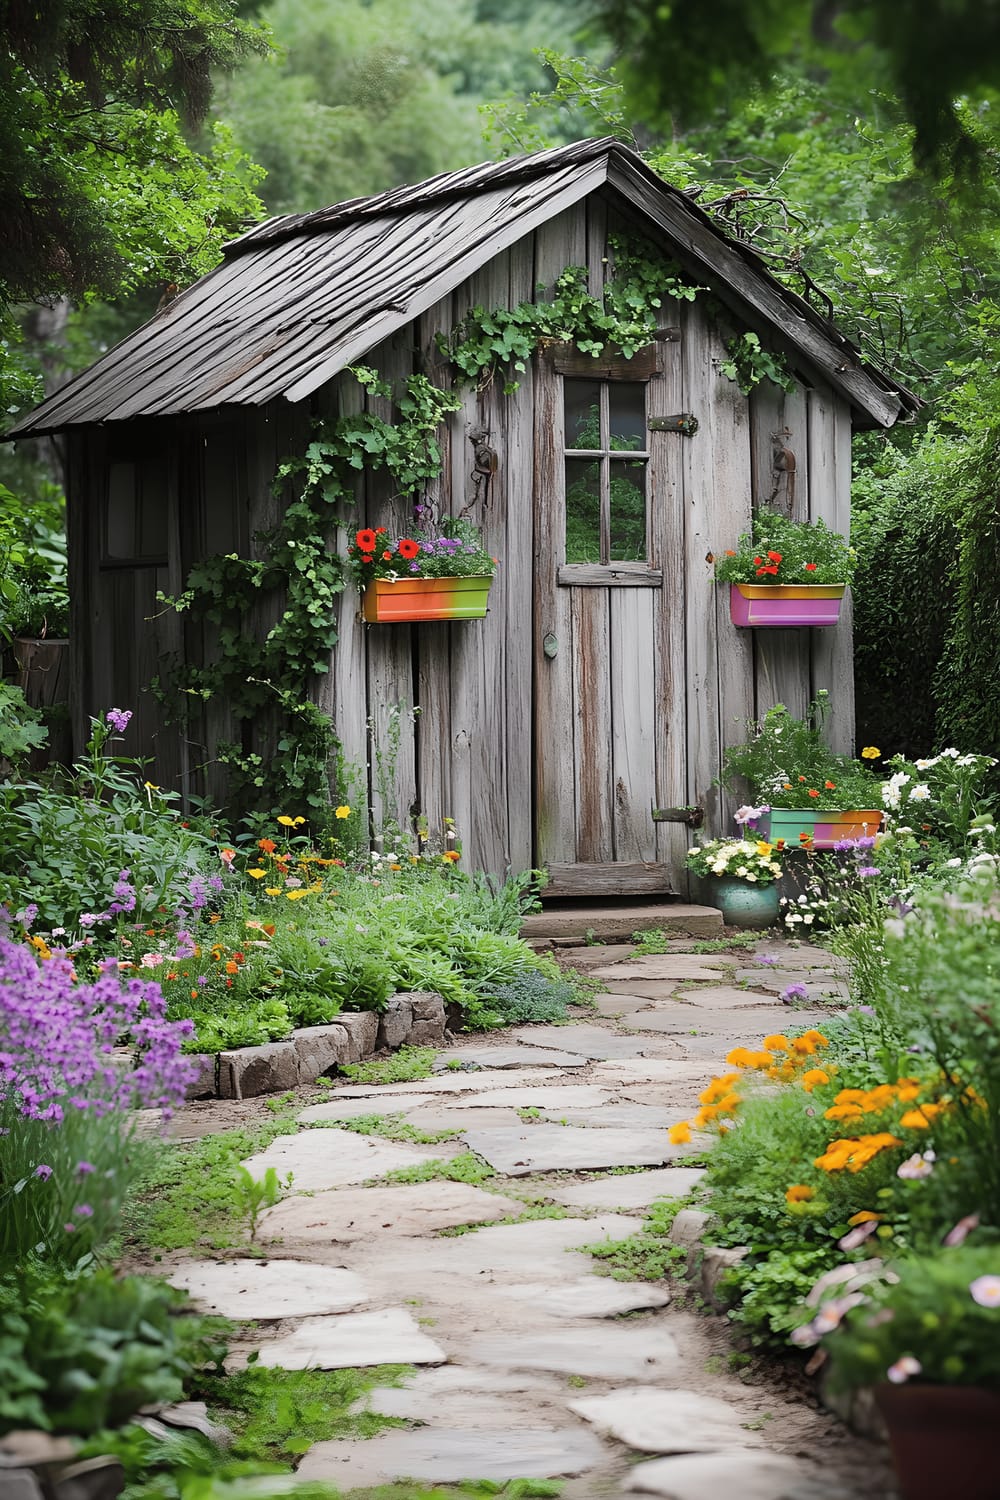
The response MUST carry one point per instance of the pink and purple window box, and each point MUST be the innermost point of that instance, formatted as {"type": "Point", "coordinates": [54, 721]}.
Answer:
{"type": "Point", "coordinates": [783, 605]}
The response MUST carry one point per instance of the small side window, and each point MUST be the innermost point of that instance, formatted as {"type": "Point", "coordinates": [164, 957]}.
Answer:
{"type": "Point", "coordinates": [606, 463]}
{"type": "Point", "coordinates": [135, 518]}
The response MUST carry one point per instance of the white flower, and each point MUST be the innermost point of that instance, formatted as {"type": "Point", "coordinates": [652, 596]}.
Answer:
{"type": "Point", "coordinates": [751, 876]}
{"type": "Point", "coordinates": [916, 1166]}
{"type": "Point", "coordinates": [904, 1367]}
{"type": "Point", "coordinates": [808, 918]}
{"type": "Point", "coordinates": [966, 760]}
{"type": "Point", "coordinates": [718, 869]}
{"type": "Point", "coordinates": [951, 754]}
{"type": "Point", "coordinates": [792, 918]}
{"type": "Point", "coordinates": [920, 793]}
{"type": "Point", "coordinates": [742, 872]}
{"type": "Point", "coordinates": [925, 765]}
{"type": "Point", "coordinates": [952, 864]}
{"type": "Point", "coordinates": [775, 869]}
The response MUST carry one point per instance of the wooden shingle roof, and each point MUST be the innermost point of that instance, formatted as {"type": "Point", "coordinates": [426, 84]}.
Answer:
{"type": "Point", "coordinates": [300, 297]}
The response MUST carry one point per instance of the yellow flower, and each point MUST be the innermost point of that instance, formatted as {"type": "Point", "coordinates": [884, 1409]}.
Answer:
{"type": "Point", "coordinates": [342, 812]}
{"type": "Point", "coordinates": [764, 849]}
{"type": "Point", "coordinates": [451, 856]}
{"type": "Point", "coordinates": [257, 874]}
{"type": "Point", "coordinates": [295, 895]}
{"type": "Point", "coordinates": [870, 752]}
{"type": "Point", "coordinates": [864, 1217]}
{"type": "Point", "coordinates": [287, 822]}
{"type": "Point", "coordinates": [680, 1134]}
{"type": "Point", "coordinates": [272, 890]}
{"type": "Point", "coordinates": [150, 787]}
{"type": "Point", "coordinates": [799, 1193]}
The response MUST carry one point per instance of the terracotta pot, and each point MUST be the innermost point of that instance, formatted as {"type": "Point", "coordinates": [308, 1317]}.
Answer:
{"type": "Point", "coordinates": [785, 605]}
{"type": "Point", "coordinates": [412, 599]}
{"type": "Point", "coordinates": [943, 1440]}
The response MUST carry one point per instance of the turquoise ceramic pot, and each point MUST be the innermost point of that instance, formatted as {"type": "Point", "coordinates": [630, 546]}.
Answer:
{"type": "Point", "coordinates": [743, 905]}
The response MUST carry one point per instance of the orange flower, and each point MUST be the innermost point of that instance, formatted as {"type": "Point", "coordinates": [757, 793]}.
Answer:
{"type": "Point", "coordinates": [864, 1217]}
{"type": "Point", "coordinates": [814, 1078]}
{"type": "Point", "coordinates": [232, 968]}
{"type": "Point", "coordinates": [831, 786]}
{"type": "Point", "coordinates": [680, 1134]}
{"type": "Point", "coordinates": [776, 1043]}
{"type": "Point", "coordinates": [799, 1192]}
{"type": "Point", "coordinates": [452, 856]}
{"type": "Point", "coordinates": [409, 549]}
{"type": "Point", "coordinates": [813, 793]}
{"type": "Point", "coordinates": [267, 845]}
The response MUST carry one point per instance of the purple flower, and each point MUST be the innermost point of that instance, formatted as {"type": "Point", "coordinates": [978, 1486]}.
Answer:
{"type": "Point", "coordinates": [28, 915]}
{"type": "Point", "coordinates": [88, 918]}
{"type": "Point", "coordinates": [904, 1367]}
{"type": "Point", "coordinates": [198, 892]}
{"type": "Point", "coordinates": [865, 1010]}
{"type": "Point", "coordinates": [43, 1172]}
{"type": "Point", "coordinates": [865, 870]}
{"type": "Point", "coordinates": [70, 1228]}
{"type": "Point", "coordinates": [215, 883]}
{"type": "Point", "coordinates": [84, 1168]}
{"type": "Point", "coordinates": [868, 842]}
{"type": "Point", "coordinates": [201, 980]}
{"type": "Point", "coordinates": [84, 1211]}
{"type": "Point", "coordinates": [794, 992]}
{"type": "Point", "coordinates": [767, 960]}
{"type": "Point", "coordinates": [118, 718]}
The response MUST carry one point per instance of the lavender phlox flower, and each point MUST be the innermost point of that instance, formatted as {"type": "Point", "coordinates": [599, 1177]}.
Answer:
{"type": "Point", "coordinates": [795, 991]}
{"type": "Point", "coordinates": [88, 918]}
{"type": "Point", "coordinates": [124, 894]}
{"type": "Point", "coordinates": [186, 945]}
{"type": "Point", "coordinates": [750, 814]}
{"type": "Point", "coordinates": [197, 892]}
{"type": "Point", "coordinates": [845, 846]}
{"type": "Point", "coordinates": [118, 718]}
{"type": "Point", "coordinates": [215, 883]}
{"type": "Point", "coordinates": [867, 870]}
{"type": "Point", "coordinates": [27, 916]}
{"type": "Point", "coordinates": [766, 960]}
{"type": "Point", "coordinates": [43, 1171]}
{"type": "Point", "coordinates": [84, 1211]}
{"type": "Point", "coordinates": [866, 842]}
{"type": "Point", "coordinates": [84, 1168]}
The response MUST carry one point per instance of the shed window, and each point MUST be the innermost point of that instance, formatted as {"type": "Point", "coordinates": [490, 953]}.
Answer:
{"type": "Point", "coordinates": [135, 529]}
{"type": "Point", "coordinates": [606, 464]}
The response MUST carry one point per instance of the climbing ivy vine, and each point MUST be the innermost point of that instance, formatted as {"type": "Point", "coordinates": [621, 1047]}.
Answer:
{"type": "Point", "coordinates": [296, 564]}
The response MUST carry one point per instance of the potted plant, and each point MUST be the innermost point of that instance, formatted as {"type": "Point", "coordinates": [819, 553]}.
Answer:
{"type": "Point", "coordinates": [803, 793]}
{"type": "Point", "coordinates": [925, 1340]}
{"type": "Point", "coordinates": [786, 573]}
{"type": "Point", "coordinates": [738, 876]}
{"type": "Point", "coordinates": [422, 577]}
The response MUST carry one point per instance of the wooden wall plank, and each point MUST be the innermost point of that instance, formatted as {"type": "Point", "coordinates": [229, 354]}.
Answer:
{"type": "Point", "coordinates": [830, 500]}
{"type": "Point", "coordinates": [632, 667]}
{"type": "Point", "coordinates": [592, 724]}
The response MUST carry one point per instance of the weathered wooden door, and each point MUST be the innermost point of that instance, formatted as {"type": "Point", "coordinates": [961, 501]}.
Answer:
{"type": "Point", "coordinates": [609, 621]}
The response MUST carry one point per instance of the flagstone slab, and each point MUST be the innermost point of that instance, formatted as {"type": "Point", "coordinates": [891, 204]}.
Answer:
{"type": "Point", "coordinates": [542, 1096]}
{"type": "Point", "coordinates": [664, 966]}
{"type": "Point", "coordinates": [817, 985]}
{"type": "Point", "coordinates": [630, 1351]}
{"type": "Point", "coordinates": [748, 1473]}
{"type": "Point", "coordinates": [594, 1042]}
{"type": "Point", "coordinates": [319, 1159]}
{"type": "Point", "coordinates": [617, 1116]}
{"type": "Point", "coordinates": [654, 1420]}
{"type": "Point", "coordinates": [632, 1190]}
{"type": "Point", "coordinates": [389, 1336]}
{"type": "Point", "coordinates": [447, 1083]}
{"type": "Point", "coordinates": [624, 1004]}
{"type": "Point", "coordinates": [262, 1290]}
{"type": "Point", "coordinates": [724, 1025]}
{"type": "Point", "coordinates": [349, 1214]}
{"type": "Point", "coordinates": [648, 1070]}
{"type": "Point", "coordinates": [510, 1057]}
{"type": "Point", "coordinates": [471, 1397]}
{"type": "Point", "coordinates": [535, 1250]}
{"type": "Point", "coordinates": [723, 997]}
{"type": "Point", "coordinates": [591, 1297]}
{"type": "Point", "coordinates": [556, 1148]}
{"type": "Point", "coordinates": [449, 1455]}
{"type": "Point", "coordinates": [335, 1109]}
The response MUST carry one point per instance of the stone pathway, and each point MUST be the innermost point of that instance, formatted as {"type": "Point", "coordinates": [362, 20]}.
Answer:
{"type": "Point", "coordinates": [528, 1362]}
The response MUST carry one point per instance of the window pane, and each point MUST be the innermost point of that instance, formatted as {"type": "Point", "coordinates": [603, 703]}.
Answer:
{"type": "Point", "coordinates": [153, 511]}
{"type": "Point", "coordinates": [627, 403]}
{"type": "Point", "coordinates": [628, 511]}
{"type": "Point", "coordinates": [583, 511]}
{"type": "Point", "coordinates": [121, 511]}
{"type": "Point", "coordinates": [583, 413]}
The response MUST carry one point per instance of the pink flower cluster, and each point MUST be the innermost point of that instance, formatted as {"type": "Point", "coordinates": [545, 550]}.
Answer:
{"type": "Point", "coordinates": [57, 1039]}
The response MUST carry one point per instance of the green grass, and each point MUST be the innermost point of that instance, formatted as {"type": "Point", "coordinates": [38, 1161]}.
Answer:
{"type": "Point", "coordinates": [404, 1066]}
{"type": "Point", "coordinates": [648, 1255]}
{"type": "Point", "coordinates": [275, 1415]}
{"type": "Point", "coordinates": [391, 1128]}
{"type": "Point", "coordinates": [531, 1211]}
{"type": "Point", "coordinates": [466, 1167]}
{"type": "Point", "coordinates": [189, 1195]}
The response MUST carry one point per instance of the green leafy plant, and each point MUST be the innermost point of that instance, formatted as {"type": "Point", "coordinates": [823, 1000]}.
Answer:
{"type": "Point", "coordinates": [403, 1066]}
{"type": "Point", "coordinates": [21, 727]}
{"type": "Point", "coordinates": [749, 363]}
{"type": "Point", "coordinates": [456, 552]}
{"type": "Point", "coordinates": [251, 1195]}
{"type": "Point", "coordinates": [785, 762]}
{"type": "Point", "coordinates": [780, 550]}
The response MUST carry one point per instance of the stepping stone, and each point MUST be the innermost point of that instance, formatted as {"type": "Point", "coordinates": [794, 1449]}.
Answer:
{"type": "Point", "coordinates": [556, 1148]}
{"type": "Point", "coordinates": [449, 1455]}
{"type": "Point", "coordinates": [658, 1421]}
{"type": "Point", "coordinates": [536, 1250]}
{"type": "Point", "coordinates": [443, 1116]}
{"type": "Point", "coordinates": [632, 1351]}
{"type": "Point", "coordinates": [722, 997]}
{"type": "Point", "coordinates": [672, 967]}
{"type": "Point", "coordinates": [338, 1218]}
{"type": "Point", "coordinates": [321, 1159]}
{"type": "Point", "coordinates": [586, 1041]}
{"type": "Point", "coordinates": [508, 1057]}
{"type": "Point", "coordinates": [729, 1029]}
{"type": "Point", "coordinates": [617, 1116]}
{"type": "Point", "coordinates": [544, 1096]}
{"type": "Point", "coordinates": [633, 1190]}
{"type": "Point", "coordinates": [265, 1290]}
{"type": "Point", "coordinates": [387, 1337]}
{"type": "Point", "coordinates": [592, 1297]}
{"type": "Point", "coordinates": [817, 984]}
{"type": "Point", "coordinates": [479, 1398]}
{"type": "Point", "coordinates": [750, 1474]}
{"type": "Point", "coordinates": [591, 956]}
{"type": "Point", "coordinates": [619, 1005]}
{"type": "Point", "coordinates": [354, 1109]}
{"type": "Point", "coordinates": [445, 1083]}
{"type": "Point", "coordinates": [650, 1070]}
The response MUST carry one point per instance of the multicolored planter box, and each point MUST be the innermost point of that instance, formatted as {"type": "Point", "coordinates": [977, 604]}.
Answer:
{"type": "Point", "coordinates": [388, 601]}
{"type": "Point", "coordinates": [822, 829]}
{"type": "Point", "coordinates": [784, 605]}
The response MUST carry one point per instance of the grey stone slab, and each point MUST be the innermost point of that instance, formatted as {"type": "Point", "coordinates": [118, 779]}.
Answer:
{"type": "Point", "coordinates": [248, 1072]}
{"type": "Point", "coordinates": [362, 1031]}
{"type": "Point", "coordinates": [472, 1398]}
{"type": "Point", "coordinates": [672, 967]}
{"type": "Point", "coordinates": [536, 1250]}
{"type": "Point", "coordinates": [619, 1004]}
{"type": "Point", "coordinates": [320, 1048]}
{"type": "Point", "coordinates": [616, 1117]}
{"type": "Point", "coordinates": [750, 1474]}
{"type": "Point", "coordinates": [630, 1191]}
{"type": "Point", "coordinates": [350, 1214]}
{"type": "Point", "coordinates": [19, 1484]}
{"type": "Point", "coordinates": [202, 1086]}
{"type": "Point", "coordinates": [448, 1455]}
{"type": "Point", "coordinates": [389, 1336]}
{"type": "Point", "coordinates": [437, 1117]}
{"type": "Point", "coordinates": [509, 1057]}
{"type": "Point", "coordinates": [555, 1148]}
{"type": "Point", "coordinates": [818, 986]}
{"type": "Point", "coordinates": [590, 956]}
{"type": "Point", "coordinates": [331, 1158]}
{"type": "Point", "coordinates": [727, 1026]}
{"type": "Point", "coordinates": [542, 1096]}
{"type": "Point", "coordinates": [337, 1108]}
{"type": "Point", "coordinates": [396, 1021]}
{"type": "Point", "coordinates": [591, 1297]}
{"type": "Point", "coordinates": [653, 1420]}
{"type": "Point", "coordinates": [266, 1290]}
{"type": "Point", "coordinates": [648, 1070]}
{"type": "Point", "coordinates": [723, 997]}
{"type": "Point", "coordinates": [446, 1083]}
{"type": "Point", "coordinates": [593, 1042]}
{"type": "Point", "coordinates": [630, 1351]}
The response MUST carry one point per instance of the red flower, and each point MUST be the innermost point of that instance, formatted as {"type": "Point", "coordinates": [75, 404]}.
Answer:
{"type": "Point", "coordinates": [409, 549]}
{"type": "Point", "coordinates": [774, 557]}
{"type": "Point", "coordinates": [802, 778]}
{"type": "Point", "coordinates": [813, 792]}
{"type": "Point", "coordinates": [380, 531]}
{"type": "Point", "coordinates": [771, 569]}
{"type": "Point", "coordinates": [366, 539]}
{"type": "Point", "coordinates": [387, 556]}
{"type": "Point", "coordinates": [757, 561]}
{"type": "Point", "coordinates": [831, 786]}
{"type": "Point", "coordinates": [367, 557]}
{"type": "Point", "coordinates": [809, 567]}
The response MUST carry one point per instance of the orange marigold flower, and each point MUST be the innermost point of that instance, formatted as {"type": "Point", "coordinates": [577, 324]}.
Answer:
{"type": "Point", "coordinates": [922, 1117]}
{"type": "Point", "coordinates": [232, 968]}
{"type": "Point", "coordinates": [799, 1192]}
{"type": "Point", "coordinates": [680, 1134]}
{"type": "Point", "coordinates": [267, 845]}
{"type": "Point", "coordinates": [452, 856]}
{"type": "Point", "coordinates": [813, 1079]}
{"type": "Point", "coordinates": [831, 786]}
{"type": "Point", "coordinates": [728, 1105]}
{"type": "Point", "coordinates": [813, 792]}
{"type": "Point", "coordinates": [776, 1043]}
{"type": "Point", "coordinates": [843, 1112]}
{"type": "Point", "coordinates": [740, 1057]}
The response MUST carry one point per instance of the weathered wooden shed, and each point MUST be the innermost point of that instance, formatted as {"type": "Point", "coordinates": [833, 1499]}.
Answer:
{"type": "Point", "coordinates": [595, 691]}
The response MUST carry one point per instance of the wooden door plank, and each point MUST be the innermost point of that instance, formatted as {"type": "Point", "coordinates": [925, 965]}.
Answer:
{"type": "Point", "coordinates": [592, 725]}
{"type": "Point", "coordinates": [610, 879]}
{"type": "Point", "coordinates": [633, 723]}
{"type": "Point", "coordinates": [830, 500]}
